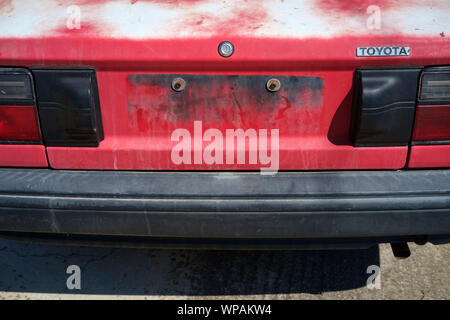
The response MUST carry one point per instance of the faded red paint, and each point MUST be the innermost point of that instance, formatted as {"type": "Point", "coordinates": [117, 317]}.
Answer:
{"type": "Point", "coordinates": [320, 142]}
{"type": "Point", "coordinates": [23, 156]}
{"type": "Point", "coordinates": [430, 156]}
{"type": "Point", "coordinates": [252, 55]}
{"type": "Point", "coordinates": [138, 120]}
{"type": "Point", "coordinates": [6, 6]}
{"type": "Point", "coordinates": [140, 140]}
{"type": "Point", "coordinates": [244, 18]}
{"type": "Point", "coordinates": [359, 6]}
{"type": "Point", "coordinates": [162, 2]}
{"type": "Point", "coordinates": [86, 30]}
{"type": "Point", "coordinates": [353, 7]}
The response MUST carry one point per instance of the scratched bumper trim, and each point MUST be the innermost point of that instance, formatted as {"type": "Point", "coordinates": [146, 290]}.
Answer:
{"type": "Point", "coordinates": [303, 205]}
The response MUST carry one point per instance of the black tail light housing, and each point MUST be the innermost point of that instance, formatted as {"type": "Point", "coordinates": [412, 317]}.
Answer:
{"type": "Point", "coordinates": [69, 107]}
{"type": "Point", "coordinates": [384, 106]}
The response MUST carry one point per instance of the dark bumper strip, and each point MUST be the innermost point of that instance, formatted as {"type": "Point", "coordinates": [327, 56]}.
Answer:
{"type": "Point", "coordinates": [226, 205]}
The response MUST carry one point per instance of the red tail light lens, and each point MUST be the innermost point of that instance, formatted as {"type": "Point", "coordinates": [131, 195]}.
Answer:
{"type": "Point", "coordinates": [432, 119]}
{"type": "Point", "coordinates": [18, 113]}
{"type": "Point", "coordinates": [18, 123]}
{"type": "Point", "coordinates": [432, 123]}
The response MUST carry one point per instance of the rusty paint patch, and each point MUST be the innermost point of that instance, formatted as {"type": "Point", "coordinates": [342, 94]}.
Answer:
{"type": "Point", "coordinates": [221, 101]}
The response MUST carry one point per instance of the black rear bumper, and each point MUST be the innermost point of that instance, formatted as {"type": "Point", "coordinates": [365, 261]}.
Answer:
{"type": "Point", "coordinates": [304, 207]}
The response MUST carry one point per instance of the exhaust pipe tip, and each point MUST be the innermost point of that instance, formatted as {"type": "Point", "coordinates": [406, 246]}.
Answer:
{"type": "Point", "coordinates": [400, 250]}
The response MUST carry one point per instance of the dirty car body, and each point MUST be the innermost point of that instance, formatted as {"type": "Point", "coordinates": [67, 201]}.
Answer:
{"type": "Point", "coordinates": [243, 124]}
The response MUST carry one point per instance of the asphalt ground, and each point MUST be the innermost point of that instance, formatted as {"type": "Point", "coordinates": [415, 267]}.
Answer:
{"type": "Point", "coordinates": [35, 271]}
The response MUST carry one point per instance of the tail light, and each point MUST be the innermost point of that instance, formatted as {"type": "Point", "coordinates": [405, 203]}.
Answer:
{"type": "Point", "coordinates": [432, 119]}
{"type": "Point", "coordinates": [396, 106]}
{"type": "Point", "coordinates": [18, 114]}
{"type": "Point", "coordinates": [18, 124]}
{"type": "Point", "coordinates": [69, 108]}
{"type": "Point", "coordinates": [384, 105]}
{"type": "Point", "coordinates": [65, 107]}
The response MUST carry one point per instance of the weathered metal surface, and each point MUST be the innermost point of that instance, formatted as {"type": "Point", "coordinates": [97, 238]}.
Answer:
{"type": "Point", "coordinates": [141, 112]}
{"type": "Point", "coordinates": [221, 102]}
{"type": "Point", "coordinates": [154, 19]}
{"type": "Point", "coordinates": [315, 38]}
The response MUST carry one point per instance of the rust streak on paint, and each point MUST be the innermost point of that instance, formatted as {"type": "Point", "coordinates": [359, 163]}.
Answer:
{"type": "Point", "coordinates": [6, 6]}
